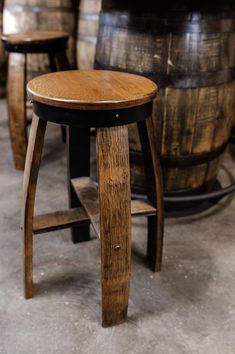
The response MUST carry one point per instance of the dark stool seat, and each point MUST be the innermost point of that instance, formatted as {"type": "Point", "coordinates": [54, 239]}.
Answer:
{"type": "Point", "coordinates": [35, 41]}
{"type": "Point", "coordinates": [107, 101]}
{"type": "Point", "coordinates": [54, 44]}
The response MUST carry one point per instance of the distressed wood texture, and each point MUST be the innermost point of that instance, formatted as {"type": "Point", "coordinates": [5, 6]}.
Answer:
{"type": "Point", "coordinates": [42, 15]}
{"type": "Point", "coordinates": [33, 160]}
{"type": "Point", "coordinates": [16, 107]}
{"type": "Point", "coordinates": [115, 222]}
{"type": "Point", "coordinates": [88, 24]}
{"type": "Point", "coordinates": [191, 57]}
{"type": "Point", "coordinates": [87, 193]}
{"type": "Point", "coordinates": [58, 220]}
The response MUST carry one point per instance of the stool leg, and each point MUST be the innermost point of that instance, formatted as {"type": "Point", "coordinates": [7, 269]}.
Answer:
{"type": "Point", "coordinates": [115, 222]}
{"type": "Point", "coordinates": [17, 107]}
{"type": "Point", "coordinates": [33, 159]}
{"type": "Point", "coordinates": [78, 157]}
{"type": "Point", "coordinates": [155, 194]}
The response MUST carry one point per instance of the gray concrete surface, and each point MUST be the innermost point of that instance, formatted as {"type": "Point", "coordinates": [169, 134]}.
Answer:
{"type": "Point", "coordinates": [188, 308]}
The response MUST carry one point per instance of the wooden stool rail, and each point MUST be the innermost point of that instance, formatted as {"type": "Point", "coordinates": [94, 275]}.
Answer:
{"type": "Point", "coordinates": [18, 45]}
{"type": "Point", "coordinates": [107, 101]}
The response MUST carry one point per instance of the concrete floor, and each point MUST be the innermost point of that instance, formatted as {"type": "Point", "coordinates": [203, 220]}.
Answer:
{"type": "Point", "coordinates": [188, 308]}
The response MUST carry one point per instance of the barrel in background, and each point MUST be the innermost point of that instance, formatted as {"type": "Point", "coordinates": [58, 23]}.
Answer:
{"type": "Point", "coordinates": [87, 32]}
{"type": "Point", "coordinates": [191, 56]}
{"type": "Point", "coordinates": [45, 15]}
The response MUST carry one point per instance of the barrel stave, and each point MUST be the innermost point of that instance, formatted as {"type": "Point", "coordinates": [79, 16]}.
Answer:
{"type": "Point", "coordinates": [88, 24]}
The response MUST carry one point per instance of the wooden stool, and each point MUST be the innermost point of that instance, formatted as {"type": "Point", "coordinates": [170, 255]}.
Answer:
{"type": "Point", "coordinates": [19, 45]}
{"type": "Point", "coordinates": [108, 101]}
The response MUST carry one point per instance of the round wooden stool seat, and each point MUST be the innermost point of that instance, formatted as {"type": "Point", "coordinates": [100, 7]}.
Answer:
{"type": "Point", "coordinates": [114, 93]}
{"type": "Point", "coordinates": [35, 41]}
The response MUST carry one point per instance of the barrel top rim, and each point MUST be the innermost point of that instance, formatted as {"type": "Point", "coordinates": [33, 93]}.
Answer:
{"type": "Point", "coordinates": [91, 89]}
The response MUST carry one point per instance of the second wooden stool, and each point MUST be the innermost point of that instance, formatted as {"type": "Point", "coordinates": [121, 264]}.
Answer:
{"type": "Point", "coordinates": [19, 45]}
{"type": "Point", "coordinates": [107, 101]}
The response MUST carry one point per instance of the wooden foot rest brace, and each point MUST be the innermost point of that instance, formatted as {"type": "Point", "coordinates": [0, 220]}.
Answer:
{"type": "Point", "coordinates": [87, 193]}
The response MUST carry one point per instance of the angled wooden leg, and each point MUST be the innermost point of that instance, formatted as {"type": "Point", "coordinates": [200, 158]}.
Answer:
{"type": "Point", "coordinates": [17, 107]}
{"type": "Point", "coordinates": [78, 157]}
{"type": "Point", "coordinates": [115, 222]}
{"type": "Point", "coordinates": [33, 159]}
{"type": "Point", "coordinates": [155, 194]}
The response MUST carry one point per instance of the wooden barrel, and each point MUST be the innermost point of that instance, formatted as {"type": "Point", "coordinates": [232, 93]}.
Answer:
{"type": "Point", "coordinates": [189, 53]}
{"type": "Point", "coordinates": [2, 60]}
{"type": "Point", "coordinates": [87, 32]}
{"type": "Point", "coordinates": [48, 15]}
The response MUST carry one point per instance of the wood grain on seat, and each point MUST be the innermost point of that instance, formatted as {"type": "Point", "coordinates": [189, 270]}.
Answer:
{"type": "Point", "coordinates": [91, 90]}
